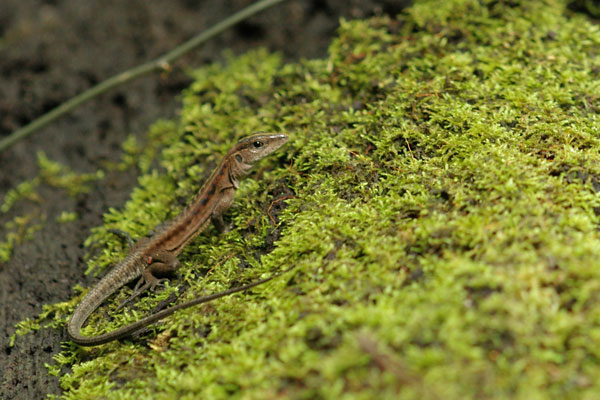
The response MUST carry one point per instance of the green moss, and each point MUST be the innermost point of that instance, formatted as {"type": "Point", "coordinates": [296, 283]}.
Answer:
{"type": "Point", "coordinates": [143, 155]}
{"type": "Point", "coordinates": [18, 230]}
{"type": "Point", "coordinates": [443, 218]}
{"type": "Point", "coordinates": [66, 216]}
{"type": "Point", "coordinates": [25, 190]}
{"type": "Point", "coordinates": [60, 176]}
{"type": "Point", "coordinates": [22, 226]}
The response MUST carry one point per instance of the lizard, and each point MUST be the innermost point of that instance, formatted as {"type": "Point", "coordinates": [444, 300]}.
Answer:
{"type": "Point", "coordinates": [157, 254]}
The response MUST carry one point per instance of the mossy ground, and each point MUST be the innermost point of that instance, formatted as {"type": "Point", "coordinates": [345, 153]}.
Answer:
{"type": "Point", "coordinates": [441, 186]}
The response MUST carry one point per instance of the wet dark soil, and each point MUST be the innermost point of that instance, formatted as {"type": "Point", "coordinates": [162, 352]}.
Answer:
{"type": "Point", "coordinates": [51, 50]}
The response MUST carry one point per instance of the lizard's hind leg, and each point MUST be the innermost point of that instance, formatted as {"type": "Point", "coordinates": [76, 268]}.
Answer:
{"type": "Point", "coordinates": [161, 263]}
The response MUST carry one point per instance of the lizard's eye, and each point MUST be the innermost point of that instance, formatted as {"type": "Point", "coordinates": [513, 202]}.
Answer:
{"type": "Point", "coordinates": [257, 144]}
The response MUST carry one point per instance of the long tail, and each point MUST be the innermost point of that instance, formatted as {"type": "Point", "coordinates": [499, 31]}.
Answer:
{"type": "Point", "coordinates": [74, 327]}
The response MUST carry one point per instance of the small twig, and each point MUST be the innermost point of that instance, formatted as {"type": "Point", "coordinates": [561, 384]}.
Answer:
{"type": "Point", "coordinates": [219, 263]}
{"type": "Point", "coordinates": [273, 203]}
{"type": "Point", "coordinates": [409, 149]}
{"type": "Point", "coordinates": [161, 63]}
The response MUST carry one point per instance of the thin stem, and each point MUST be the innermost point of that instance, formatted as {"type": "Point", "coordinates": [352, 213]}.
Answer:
{"type": "Point", "coordinates": [159, 63]}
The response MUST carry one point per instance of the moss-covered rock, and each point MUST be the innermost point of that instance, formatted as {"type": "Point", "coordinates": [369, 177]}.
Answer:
{"type": "Point", "coordinates": [441, 206]}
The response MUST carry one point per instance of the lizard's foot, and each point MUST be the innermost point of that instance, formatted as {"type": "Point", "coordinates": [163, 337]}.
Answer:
{"type": "Point", "coordinates": [220, 224]}
{"type": "Point", "coordinates": [168, 264]}
{"type": "Point", "coordinates": [139, 289]}
{"type": "Point", "coordinates": [142, 285]}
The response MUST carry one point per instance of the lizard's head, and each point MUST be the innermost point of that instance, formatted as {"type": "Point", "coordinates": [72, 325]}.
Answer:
{"type": "Point", "coordinates": [254, 147]}
{"type": "Point", "coordinates": [251, 149]}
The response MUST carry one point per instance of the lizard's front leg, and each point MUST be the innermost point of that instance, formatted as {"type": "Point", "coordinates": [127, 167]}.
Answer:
{"type": "Point", "coordinates": [224, 203]}
{"type": "Point", "coordinates": [160, 263]}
